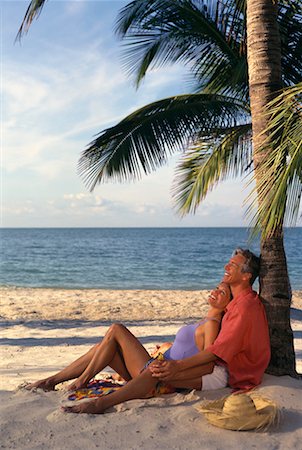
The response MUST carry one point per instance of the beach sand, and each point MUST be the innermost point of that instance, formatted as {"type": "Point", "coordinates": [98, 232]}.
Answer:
{"type": "Point", "coordinates": [45, 329]}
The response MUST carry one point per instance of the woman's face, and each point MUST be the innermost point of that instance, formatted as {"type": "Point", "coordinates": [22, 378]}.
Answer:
{"type": "Point", "coordinates": [220, 297]}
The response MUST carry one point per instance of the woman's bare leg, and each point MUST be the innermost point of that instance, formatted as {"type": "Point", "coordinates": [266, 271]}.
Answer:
{"type": "Point", "coordinates": [76, 368]}
{"type": "Point", "coordinates": [73, 370]}
{"type": "Point", "coordinates": [118, 340]}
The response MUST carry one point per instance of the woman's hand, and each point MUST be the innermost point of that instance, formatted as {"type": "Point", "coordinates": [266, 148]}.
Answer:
{"type": "Point", "coordinates": [164, 370]}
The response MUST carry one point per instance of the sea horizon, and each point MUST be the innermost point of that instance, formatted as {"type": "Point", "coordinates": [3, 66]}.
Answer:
{"type": "Point", "coordinates": [129, 258]}
{"type": "Point", "coordinates": [118, 227]}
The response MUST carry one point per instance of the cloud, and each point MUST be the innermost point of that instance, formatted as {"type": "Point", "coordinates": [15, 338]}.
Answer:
{"type": "Point", "coordinates": [44, 120]}
{"type": "Point", "coordinates": [81, 202]}
{"type": "Point", "coordinates": [146, 209]}
{"type": "Point", "coordinates": [75, 7]}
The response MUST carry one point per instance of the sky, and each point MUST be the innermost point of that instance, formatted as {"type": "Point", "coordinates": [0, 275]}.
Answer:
{"type": "Point", "coordinates": [63, 84]}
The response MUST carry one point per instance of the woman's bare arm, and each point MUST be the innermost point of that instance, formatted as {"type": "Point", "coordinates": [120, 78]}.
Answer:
{"type": "Point", "coordinates": [206, 333]}
{"type": "Point", "coordinates": [211, 331]}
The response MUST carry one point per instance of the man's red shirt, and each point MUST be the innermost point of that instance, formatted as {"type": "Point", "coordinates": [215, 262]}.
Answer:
{"type": "Point", "coordinates": [243, 342]}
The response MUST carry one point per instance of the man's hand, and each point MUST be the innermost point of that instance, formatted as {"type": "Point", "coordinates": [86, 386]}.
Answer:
{"type": "Point", "coordinates": [164, 370]}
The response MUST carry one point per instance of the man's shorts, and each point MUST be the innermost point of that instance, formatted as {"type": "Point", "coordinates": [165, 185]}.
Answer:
{"type": "Point", "coordinates": [218, 379]}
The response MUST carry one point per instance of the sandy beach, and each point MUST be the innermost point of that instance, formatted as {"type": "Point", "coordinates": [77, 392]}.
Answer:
{"type": "Point", "coordinates": [45, 329]}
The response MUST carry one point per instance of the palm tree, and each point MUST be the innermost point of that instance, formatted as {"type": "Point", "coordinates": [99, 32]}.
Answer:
{"type": "Point", "coordinates": [278, 196]}
{"type": "Point", "coordinates": [212, 125]}
{"type": "Point", "coordinates": [265, 80]}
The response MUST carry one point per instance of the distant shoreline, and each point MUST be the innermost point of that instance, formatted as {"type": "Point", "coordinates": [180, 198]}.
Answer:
{"type": "Point", "coordinates": [4, 288]}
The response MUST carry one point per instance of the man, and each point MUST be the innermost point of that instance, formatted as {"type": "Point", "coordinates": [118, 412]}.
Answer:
{"type": "Point", "coordinates": [243, 344]}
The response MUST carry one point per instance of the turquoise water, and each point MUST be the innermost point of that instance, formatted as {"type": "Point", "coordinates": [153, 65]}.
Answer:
{"type": "Point", "coordinates": [128, 258]}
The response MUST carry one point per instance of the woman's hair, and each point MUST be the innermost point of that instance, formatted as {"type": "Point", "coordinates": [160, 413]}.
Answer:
{"type": "Point", "coordinates": [229, 289]}
{"type": "Point", "coordinates": [231, 295]}
{"type": "Point", "coordinates": [251, 264]}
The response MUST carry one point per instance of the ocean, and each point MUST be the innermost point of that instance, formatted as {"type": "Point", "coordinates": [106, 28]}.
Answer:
{"type": "Point", "coordinates": [128, 258]}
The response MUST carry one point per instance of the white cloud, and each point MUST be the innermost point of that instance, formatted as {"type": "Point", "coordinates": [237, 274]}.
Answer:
{"type": "Point", "coordinates": [23, 94]}
{"type": "Point", "coordinates": [75, 7]}
{"type": "Point", "coordinates": [46, 110]}
{"type": "Point", "coordinates": [80, 202]}
{"type": "Point", "coordinates": [146, 209]}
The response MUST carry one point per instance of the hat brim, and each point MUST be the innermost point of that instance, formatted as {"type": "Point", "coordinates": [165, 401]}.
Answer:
{"type": "Point", "coordinates": [265, 415]}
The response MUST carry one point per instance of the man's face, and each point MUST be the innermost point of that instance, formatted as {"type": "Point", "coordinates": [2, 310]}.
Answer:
{"type": "Point", "coordinates": [233, 274]}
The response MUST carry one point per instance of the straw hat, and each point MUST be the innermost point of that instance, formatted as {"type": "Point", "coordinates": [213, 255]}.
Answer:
{"type": "Point", "coordinates": [241, 412]}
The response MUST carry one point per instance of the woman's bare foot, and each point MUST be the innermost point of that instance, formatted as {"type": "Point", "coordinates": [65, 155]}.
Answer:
{"type": "Point", "coordinates": [91, 407]}
{"type": "Point", "coordinates": [47, 384]}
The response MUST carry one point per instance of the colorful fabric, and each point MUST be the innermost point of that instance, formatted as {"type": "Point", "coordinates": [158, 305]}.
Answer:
{"type": "Point", "coordinates": [95, 388]}
{"type": "Point", "coordinates": [162, 388]}
{"type": "Point", "coordinates": [243, 342]}
{"type": "Point", "coordinates": [98, 388]}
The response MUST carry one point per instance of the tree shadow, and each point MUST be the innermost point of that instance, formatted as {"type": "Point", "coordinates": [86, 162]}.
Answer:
{"type": "Point", "coordinates": [295, 314]}
{"type": "Point", "coordinates": [75, 340]}
{"type": "Point", "coordinates": [75, 323]}
{"type": "Point", "coordinates": [297, 334]}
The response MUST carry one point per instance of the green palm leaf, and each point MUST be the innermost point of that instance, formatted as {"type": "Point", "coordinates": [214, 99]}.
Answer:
{"type": "Point", "coordinates": [210, 161]}
{"type": "Point", "coordinates": [193, 32]}
{"type": "Point", "coordinates": [280, 186]}
{"type": "Point", "coordinates": [33, 11]}
{"type": "Point", "coordinates": [143, 140]}
{"type": "Point", "coordinates": [208, 36]}
{"type": "Point", "coordinates": [290, 20]}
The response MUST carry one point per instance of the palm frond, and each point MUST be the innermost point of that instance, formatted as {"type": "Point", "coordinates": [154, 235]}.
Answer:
{"type": "Point", "coordinates": [207, 36]}
{"type": "Point", "coordinates": [33, 11]}
{"type": "Point", "coordinates": [143, 140]}
{"type": "Point", "coordinates": [279, 188]}
{"type": "Point", "coordinates": [290, 26]}
{"type": "Point", "coordinates": [160, 32]}
{"type": "Point", "coordinates": [210, 161]}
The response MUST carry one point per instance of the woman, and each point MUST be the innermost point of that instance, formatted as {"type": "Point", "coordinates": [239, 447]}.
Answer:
{"type": "Point", "coordinates": [126, 355]}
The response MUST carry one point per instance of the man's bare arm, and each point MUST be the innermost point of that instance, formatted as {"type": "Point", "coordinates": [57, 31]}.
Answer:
{"type": "Point", "coordinates": [187, 368]}
{"type": "Point", "coordinates": [194, 372]}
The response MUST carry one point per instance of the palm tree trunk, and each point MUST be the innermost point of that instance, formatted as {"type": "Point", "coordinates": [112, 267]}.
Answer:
{"type": "Point", "coordinates": [264, 69]}
{"type": "Point", "coordinates": [275, 292]}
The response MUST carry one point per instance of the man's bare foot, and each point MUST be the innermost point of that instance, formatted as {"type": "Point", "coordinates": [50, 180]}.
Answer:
{"type": "Point", "coordinates": [47, 384]}
{"type": "Point", "coordinates": [91, 407]}
{"type": "Point", "coordinates": [77, 384]}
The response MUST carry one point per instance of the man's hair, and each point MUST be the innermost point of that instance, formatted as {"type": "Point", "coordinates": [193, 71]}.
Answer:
{"type": "Point", "coordinates": [251, 264]}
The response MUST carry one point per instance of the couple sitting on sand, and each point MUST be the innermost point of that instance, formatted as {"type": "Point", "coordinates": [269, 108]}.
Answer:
{"type": "Point", "coordinates": [230, 347]}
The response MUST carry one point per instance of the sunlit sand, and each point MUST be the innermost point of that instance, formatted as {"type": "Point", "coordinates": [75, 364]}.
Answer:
{"type": "Point", "coordinates": [44, 329]}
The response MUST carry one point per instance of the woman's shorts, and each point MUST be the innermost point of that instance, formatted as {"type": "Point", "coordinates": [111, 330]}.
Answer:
{"type": "Point", "coordinates": [218, 379]}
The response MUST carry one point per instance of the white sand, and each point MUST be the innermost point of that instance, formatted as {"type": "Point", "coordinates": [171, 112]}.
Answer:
{"type": "Point", "coordinates": [44, 329]}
